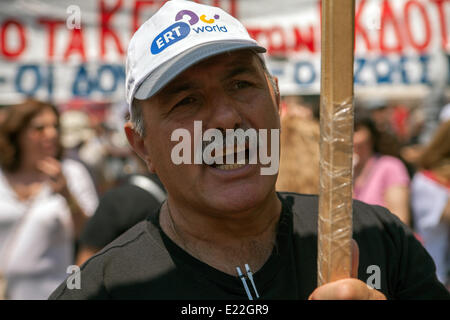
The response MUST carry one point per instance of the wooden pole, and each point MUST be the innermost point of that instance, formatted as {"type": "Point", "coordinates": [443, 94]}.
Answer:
{"type": "Point", "coordinates": [336, 142]}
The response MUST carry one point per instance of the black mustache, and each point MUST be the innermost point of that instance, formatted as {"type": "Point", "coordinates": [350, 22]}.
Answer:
{"type": "Point", "coordinates": [225, 142]}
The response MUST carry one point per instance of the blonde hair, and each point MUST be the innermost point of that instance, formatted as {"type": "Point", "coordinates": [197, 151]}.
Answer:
{"type": "Point", "coordinates": [436, 154]}
{"type": "Point", "coordinates": [299, 158]}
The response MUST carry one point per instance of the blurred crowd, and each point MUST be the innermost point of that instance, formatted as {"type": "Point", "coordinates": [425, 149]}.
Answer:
{"type": "Point", "coordinates": [56, 163]}
{"type": "Point", "coordinates": [393, 166]}
{"type": "Point", "coordinates": [61, 168]}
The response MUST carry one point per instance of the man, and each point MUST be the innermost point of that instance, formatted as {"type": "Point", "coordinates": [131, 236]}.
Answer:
{"type": "Point", "coordinates": [224, 233]}
{"type": "Point", "coordinates": [119, 209]}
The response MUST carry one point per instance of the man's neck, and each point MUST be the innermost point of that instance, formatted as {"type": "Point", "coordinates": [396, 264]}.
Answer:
{"type": "Point", "coordinates": [228, 240]}
{"type": "Point", "coordinates": [201, 224]}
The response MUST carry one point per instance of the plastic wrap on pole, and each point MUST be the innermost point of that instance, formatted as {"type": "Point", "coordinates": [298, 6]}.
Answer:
{"type": "Point", "coordinates": [336, 142]}
{"type": "Point", "coordinates": [335, 198]}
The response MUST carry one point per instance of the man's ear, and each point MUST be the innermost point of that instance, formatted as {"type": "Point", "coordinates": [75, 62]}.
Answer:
{"type": "Point", "coordinates": [276, 92]}
{"type": "Point", "coordinates": [137, 142]}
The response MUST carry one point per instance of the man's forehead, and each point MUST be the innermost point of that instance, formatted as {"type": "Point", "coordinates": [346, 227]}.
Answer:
{"type": "Point", "coordinates": [228, 60]}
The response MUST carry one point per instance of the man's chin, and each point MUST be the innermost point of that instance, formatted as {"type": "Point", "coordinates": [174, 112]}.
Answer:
{"type": "Point", "coordinates": [246, 196]}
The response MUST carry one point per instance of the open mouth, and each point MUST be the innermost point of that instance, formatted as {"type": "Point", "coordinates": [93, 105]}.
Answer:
{"type": "Point", "coordinates": [228, 166]}
{"type": "Point", "coordinates": [231, 159]}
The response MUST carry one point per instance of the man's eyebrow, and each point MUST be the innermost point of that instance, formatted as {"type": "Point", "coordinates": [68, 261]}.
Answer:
{"type": "Point", "coordinates": [177, 88]}
{"type": "Point", "coordinates": [235, 71]}
{"type": "Point", "coordinates": [181, 86]}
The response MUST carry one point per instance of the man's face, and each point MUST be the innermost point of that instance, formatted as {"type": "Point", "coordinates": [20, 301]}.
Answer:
{"type": "Point", "coordinates": [228, 91]}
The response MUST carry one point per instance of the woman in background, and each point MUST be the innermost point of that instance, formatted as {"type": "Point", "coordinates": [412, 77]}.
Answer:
{"type": "Point", "coordinates": [44, 202]}
{"type": "Point", "coordinates": [430, 200]}
{"type": "Point", "coordinates": [379, 178]}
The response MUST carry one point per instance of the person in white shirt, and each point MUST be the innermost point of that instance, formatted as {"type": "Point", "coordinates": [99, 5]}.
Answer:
{"type": "Point", "coordinates": [430, 194]}
{"type": "Point", "coordinates": [44, 202]}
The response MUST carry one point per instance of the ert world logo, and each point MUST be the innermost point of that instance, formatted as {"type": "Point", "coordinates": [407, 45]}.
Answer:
{"type": "Point", "coordinates": [181, 30]}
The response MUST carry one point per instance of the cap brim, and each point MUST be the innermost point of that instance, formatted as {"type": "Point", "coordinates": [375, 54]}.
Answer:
{"type": "Point", "coordinates": [160, 77]}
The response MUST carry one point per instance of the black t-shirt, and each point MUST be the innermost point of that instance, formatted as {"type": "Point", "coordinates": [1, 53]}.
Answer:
{"type": "Point", "coordinates": [145, 264]}
{"type": "Point", "coordinates": [120, 209]}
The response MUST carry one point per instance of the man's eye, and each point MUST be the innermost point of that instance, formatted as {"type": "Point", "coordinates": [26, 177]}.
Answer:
{"type": "Point", "coordinates": [242, 84]}
{"type": "Point", "coordinates": [185, 101]}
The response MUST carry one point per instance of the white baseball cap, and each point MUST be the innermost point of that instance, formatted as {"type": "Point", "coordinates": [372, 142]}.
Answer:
{"type": "Point", "coordinates": [180, 34]}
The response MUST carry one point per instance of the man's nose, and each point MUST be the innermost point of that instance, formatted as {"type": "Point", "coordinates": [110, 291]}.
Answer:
{"type": "Point", "coordinates": [223, 113]}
